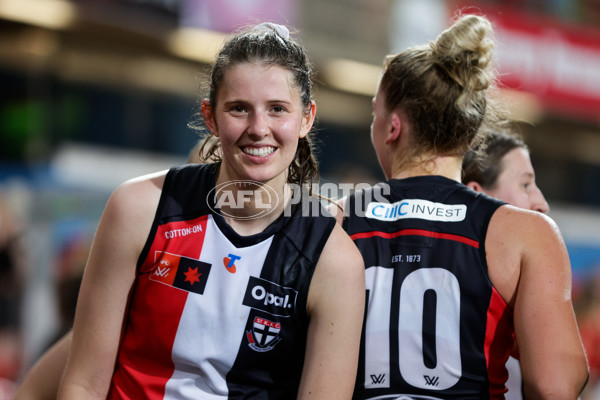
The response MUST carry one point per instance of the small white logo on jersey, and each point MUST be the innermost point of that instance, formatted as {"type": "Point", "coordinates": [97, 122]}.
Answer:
{"type": "Point", "coordinates": [416, 208]}
{"type": "Point", "coordinates": [183, 232]}
{"type": "Point", "coordinates": [162, 271]}
{"type": "Point", "coordinates": [260, 293]}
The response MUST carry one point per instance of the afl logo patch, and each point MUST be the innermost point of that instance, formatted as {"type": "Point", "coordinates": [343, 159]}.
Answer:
{"type": "Point", "coordinates": [180, 272]}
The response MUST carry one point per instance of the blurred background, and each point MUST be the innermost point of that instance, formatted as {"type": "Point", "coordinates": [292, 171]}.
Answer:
{"type": "Point", "coordinates": [93, 92]}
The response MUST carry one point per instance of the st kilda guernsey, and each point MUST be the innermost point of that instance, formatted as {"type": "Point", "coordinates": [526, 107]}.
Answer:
{"type": "Point", "coordinates": [216, 315]}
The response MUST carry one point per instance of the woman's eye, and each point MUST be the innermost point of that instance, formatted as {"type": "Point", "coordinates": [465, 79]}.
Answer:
{"type": "Point", "coordinates": [278, 109]}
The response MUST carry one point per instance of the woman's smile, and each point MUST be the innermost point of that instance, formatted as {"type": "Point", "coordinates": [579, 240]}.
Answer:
{"type": "Point", "coordinates": [258, 151]}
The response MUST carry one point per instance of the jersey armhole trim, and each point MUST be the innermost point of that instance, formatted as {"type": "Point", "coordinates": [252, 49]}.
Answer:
{"type": "Point", "coordinates": [154, 228]}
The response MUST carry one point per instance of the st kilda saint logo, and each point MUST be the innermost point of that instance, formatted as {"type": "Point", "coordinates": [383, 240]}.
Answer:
{"type": "Point", "coordinates": [264, 334]}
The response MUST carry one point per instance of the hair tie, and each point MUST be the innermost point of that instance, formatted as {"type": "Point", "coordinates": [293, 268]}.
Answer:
{"type": "Point", "coordinates": [281, 30]}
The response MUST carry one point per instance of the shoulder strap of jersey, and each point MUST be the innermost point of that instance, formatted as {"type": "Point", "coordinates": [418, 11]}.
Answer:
{"type": "Point", "coordinates": [184, 194]}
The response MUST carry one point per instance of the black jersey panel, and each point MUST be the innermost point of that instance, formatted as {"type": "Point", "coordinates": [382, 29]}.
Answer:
{"type": "Point", "coordinates": [428, 288]}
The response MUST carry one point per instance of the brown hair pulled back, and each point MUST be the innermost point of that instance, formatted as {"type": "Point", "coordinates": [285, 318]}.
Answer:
{"type": "Point", "coordinates": [442, 86]}
{"type": "Point", "coordinates": [263, 43]}
{"type": "Point", "coordinates": [483, 164]}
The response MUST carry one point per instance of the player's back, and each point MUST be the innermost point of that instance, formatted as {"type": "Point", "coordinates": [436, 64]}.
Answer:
{"type": "Point", "coordinates": [435, 327]}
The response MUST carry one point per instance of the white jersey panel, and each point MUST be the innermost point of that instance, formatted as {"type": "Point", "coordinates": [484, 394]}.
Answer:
{"type": "Point", "coordinates": [213, 324]}
{"type": "Point", "coordinates": [379, 283]}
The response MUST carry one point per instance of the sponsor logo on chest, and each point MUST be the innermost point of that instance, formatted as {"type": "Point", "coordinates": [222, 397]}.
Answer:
{"type": "Point", "coordinates": [270, 297]}
{"type": "Point", "coordinates": [229, 262]}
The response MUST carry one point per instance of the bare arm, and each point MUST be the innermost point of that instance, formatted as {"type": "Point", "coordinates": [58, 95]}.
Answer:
{"type": "Point", "coordinates": [106, 285]}
{"type": "Point", "coordinates": [336, 308]}
{"type": "Point", "coordinates": [41, 382]}
{"type": "Point", "coordinates": [530, 267]}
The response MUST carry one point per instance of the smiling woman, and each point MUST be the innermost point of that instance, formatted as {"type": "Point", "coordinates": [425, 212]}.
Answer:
{"type": "Point", "coordinates": [259, 128]}
{"type": "Point", "coordinates": [294, 67]}
{"type": "Point", "coordinates": [165, 255]}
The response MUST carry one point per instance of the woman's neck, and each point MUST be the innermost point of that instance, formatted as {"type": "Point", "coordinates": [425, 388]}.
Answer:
{"type": "Point", "coordinates": [446, 166]}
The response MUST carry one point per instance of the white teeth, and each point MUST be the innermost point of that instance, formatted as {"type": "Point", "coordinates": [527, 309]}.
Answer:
{"type": "Point", "coordinates": [260, 151]}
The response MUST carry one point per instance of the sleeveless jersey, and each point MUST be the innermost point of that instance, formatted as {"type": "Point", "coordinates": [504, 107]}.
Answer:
{"type": "Point", "coordinates": [435, 327]}
{"type": "Point", "coordinates": [216, 315]}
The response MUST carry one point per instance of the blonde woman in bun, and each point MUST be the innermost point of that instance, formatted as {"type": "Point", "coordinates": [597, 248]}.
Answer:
{"type": "Point", "coordinates": [454, 277]}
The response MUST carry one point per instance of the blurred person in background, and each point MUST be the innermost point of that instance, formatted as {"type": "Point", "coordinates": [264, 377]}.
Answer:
{"type": "Point", "coordinates": [72, 258]}
{"type": "Point", "coordinates": [11, 293]}
{"type": "Point", "coordinates": [501, 168]}
{"type": "Point", "coordinates": [142, 329]}
{"type": "Point", "coordinates": [42, 379]}
{"type": "Point", "coordinates": [454, 276]}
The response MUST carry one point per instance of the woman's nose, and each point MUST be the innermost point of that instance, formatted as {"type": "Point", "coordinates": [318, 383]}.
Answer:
{"type": "Point", "coordinates": [539, 202]}
{"type": "Point", "coordinates": [258, 125]}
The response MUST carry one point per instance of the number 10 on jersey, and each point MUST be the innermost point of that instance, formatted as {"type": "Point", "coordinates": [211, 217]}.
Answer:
{"type": "Point", "coordinates": [428, 333]}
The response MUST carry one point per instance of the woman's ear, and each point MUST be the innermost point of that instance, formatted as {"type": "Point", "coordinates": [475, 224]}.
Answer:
{"type": "Point", "coordinates": [209, 117]}
{"type": "Point", "coordinates": [475, 186]}
{"type": "Point", "coordinates": [395, 128]}
{"type": "Point", "coordinates": [308, 119]}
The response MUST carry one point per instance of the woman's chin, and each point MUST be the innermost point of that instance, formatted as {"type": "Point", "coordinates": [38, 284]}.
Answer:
{"type": "Point", "coordinates": [263, 175]}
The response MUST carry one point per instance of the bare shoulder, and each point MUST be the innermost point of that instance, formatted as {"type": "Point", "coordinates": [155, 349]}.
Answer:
{"type": "Point", "coordinates": [341, 252]}
{"type": "Point", "coordinates": [130, 210]}
{"type": "Point", "coordinates": [521, 241]}
{"type": "Point", "coordinates": [142, 186]}
{"type": "Point", "coordinates": [516, 226]}
{"type": "Point", "coordinates": [138, 195]}
{"type": "Point", "coordinates": [340, 270]}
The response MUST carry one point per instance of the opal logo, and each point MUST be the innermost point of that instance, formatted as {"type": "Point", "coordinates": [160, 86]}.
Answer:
{"type": "Point", "coordinates": [260, 293]}
{"type": "Point", "coordinates": [227, 197]}
{"type": "Point", "coordinates": [229, 262]}
{"type": "Point", "coordinates": [269, 297]}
